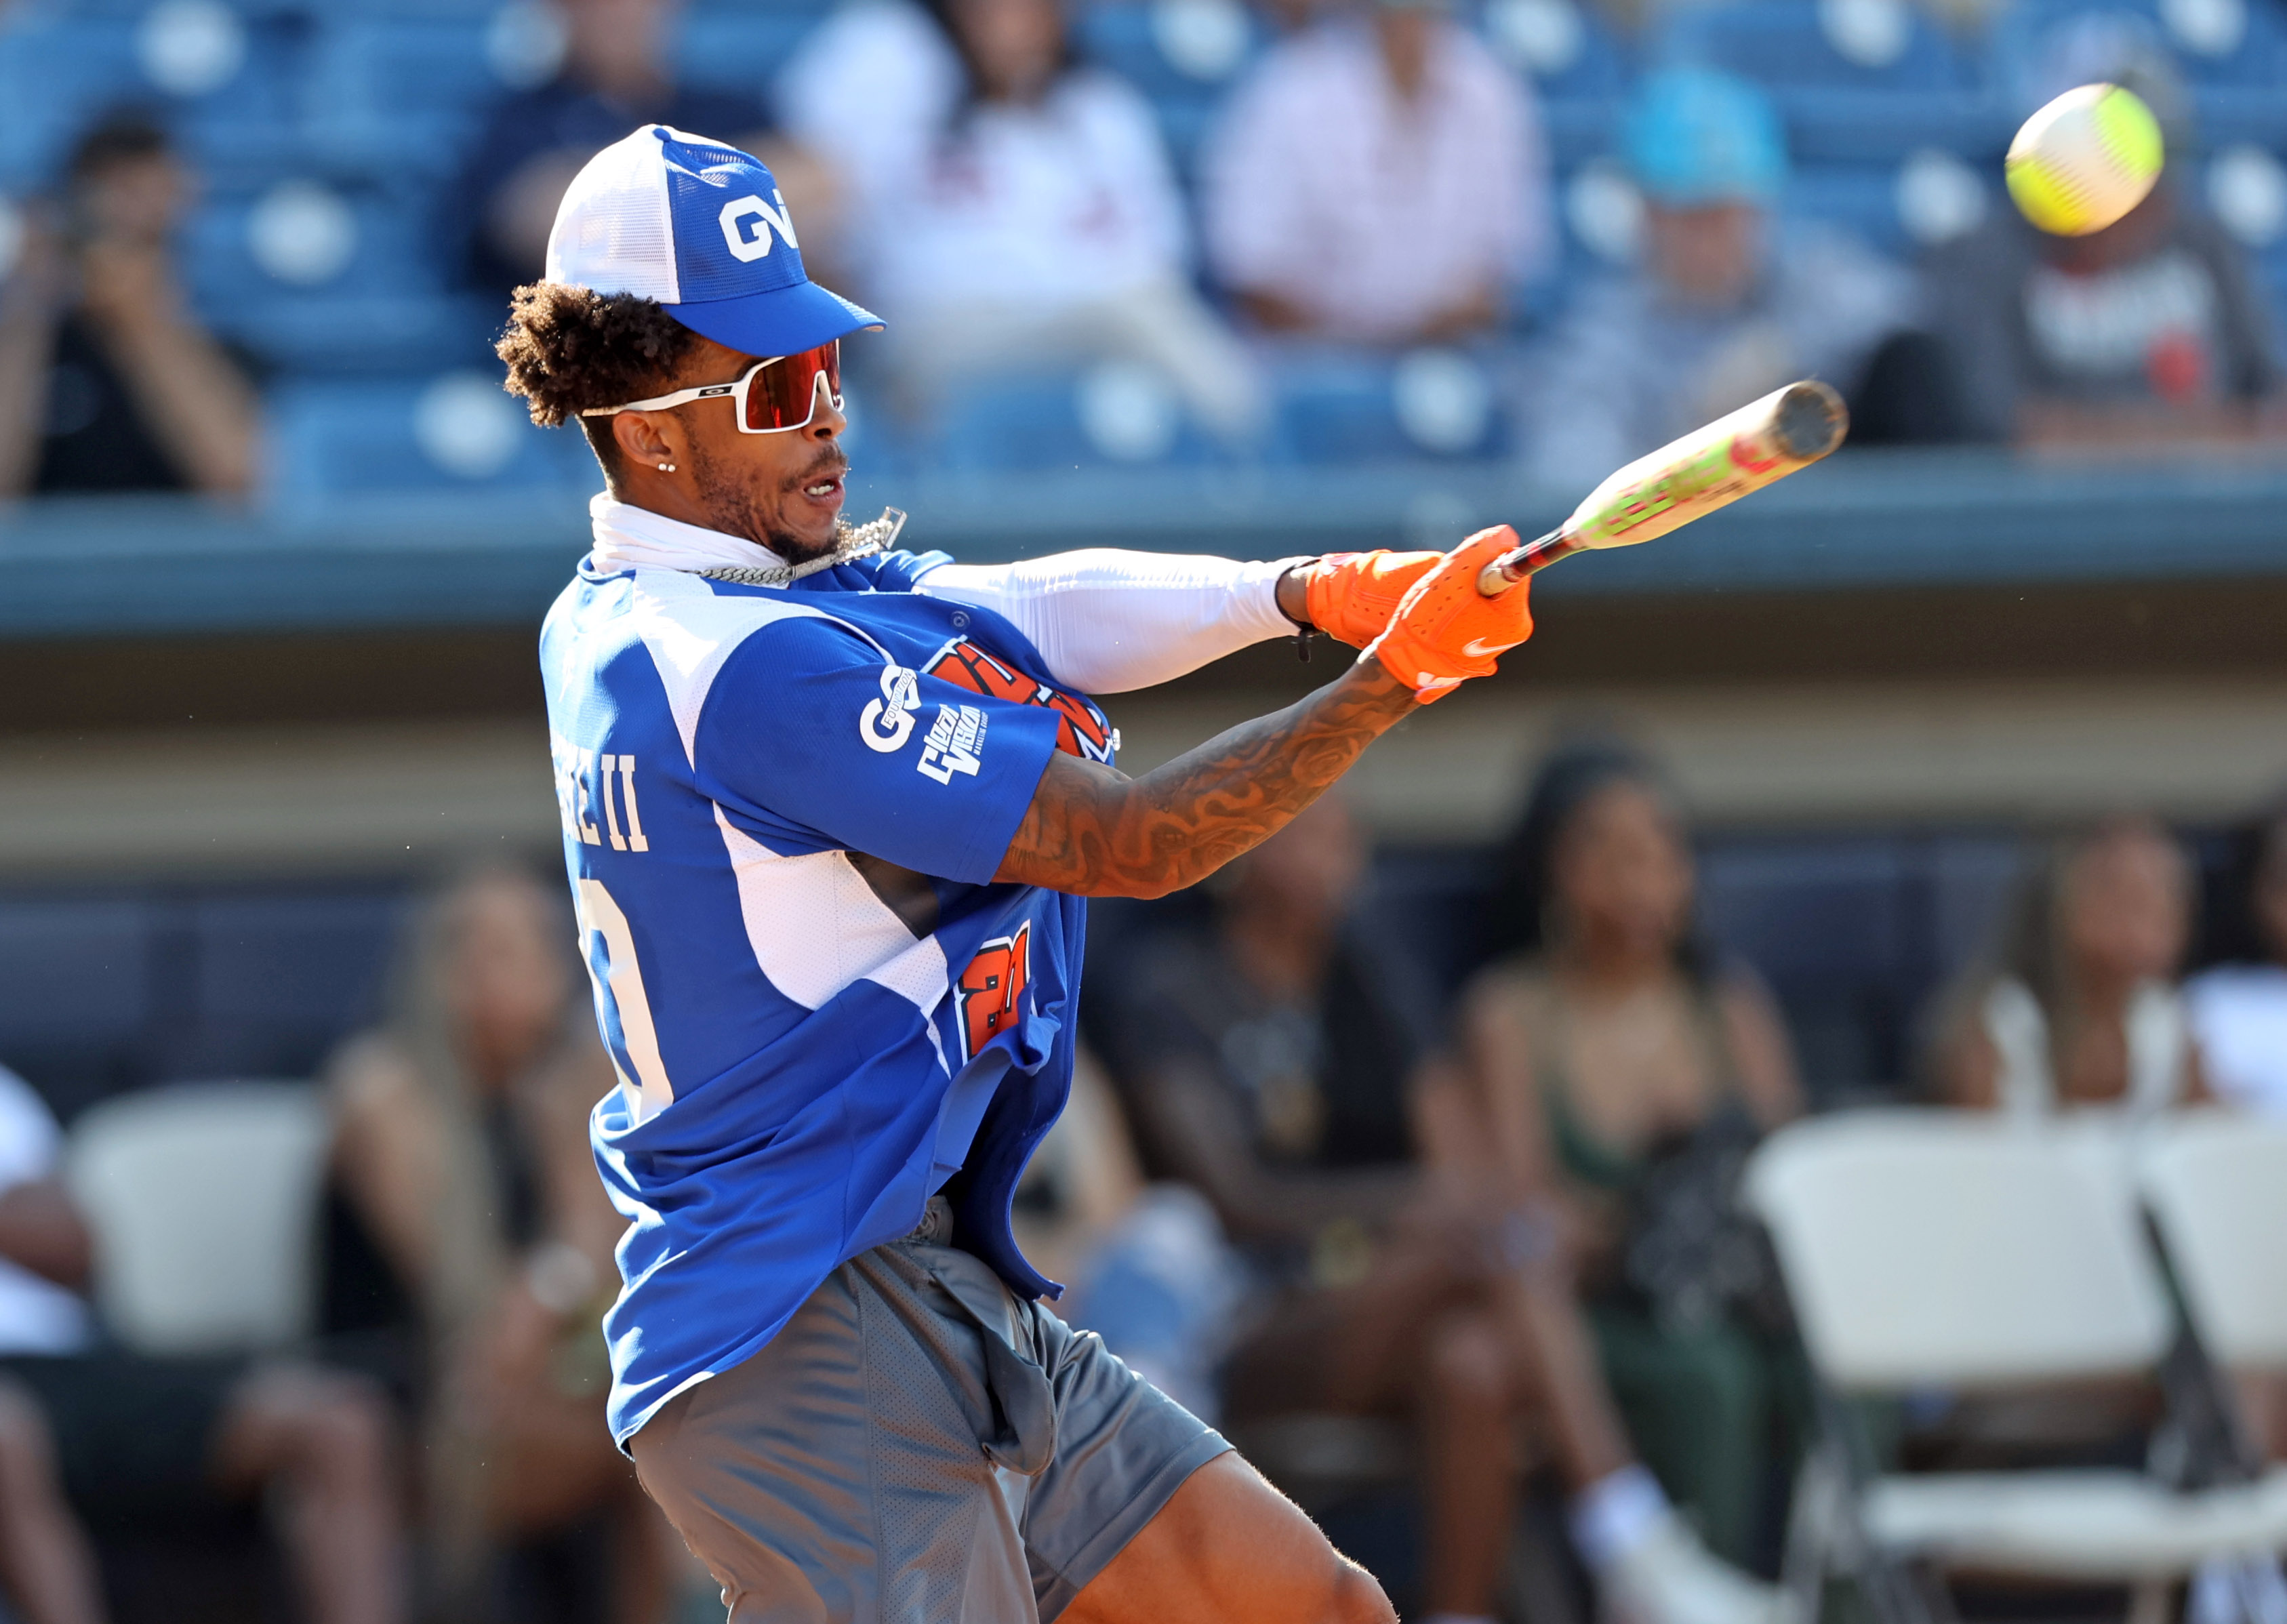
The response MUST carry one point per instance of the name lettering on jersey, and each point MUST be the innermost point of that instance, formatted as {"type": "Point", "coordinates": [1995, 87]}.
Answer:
{"type": "Point", "coordinates": [992, 988]}
{"type": "Point", "coordinates": [954, 741]}
{"type": "Point", "coordinates": [888, 722]}
{"type": "Point", "coordinates": [1081, 729]}
{"type": "Point", "coordinates": [584, 792]}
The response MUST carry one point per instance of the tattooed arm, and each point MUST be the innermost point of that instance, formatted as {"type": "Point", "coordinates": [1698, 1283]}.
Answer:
{"type": "Point", "coordinates": [1096, 832]}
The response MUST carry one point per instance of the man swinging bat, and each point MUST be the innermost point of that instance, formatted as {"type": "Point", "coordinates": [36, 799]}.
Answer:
{"type": "Point", "coordinates": [830, 812]}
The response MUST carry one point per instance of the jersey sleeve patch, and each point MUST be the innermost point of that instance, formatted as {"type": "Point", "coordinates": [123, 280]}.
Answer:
{"type": "Point", "coordinates": [814, 725]}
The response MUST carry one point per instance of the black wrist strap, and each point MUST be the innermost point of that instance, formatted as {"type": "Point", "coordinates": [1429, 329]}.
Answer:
{"type": "Point", "coordinates": [1305, 633]}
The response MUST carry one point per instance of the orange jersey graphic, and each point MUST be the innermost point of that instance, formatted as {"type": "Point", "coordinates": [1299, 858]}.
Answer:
{"type": "Point", "coordinates": [992, 988]}
{"type": "Point", "coordinates": [1081, 732]}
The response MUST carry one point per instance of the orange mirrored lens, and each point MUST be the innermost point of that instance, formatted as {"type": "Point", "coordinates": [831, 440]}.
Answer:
{"type": "Point", "coordinates": [779, 396]}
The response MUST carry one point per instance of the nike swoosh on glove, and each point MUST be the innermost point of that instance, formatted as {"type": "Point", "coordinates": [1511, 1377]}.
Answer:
{"type": "Point", "coordinates": [1446, 631]}
{"type": "Point", "coordinates": [1350, 596]}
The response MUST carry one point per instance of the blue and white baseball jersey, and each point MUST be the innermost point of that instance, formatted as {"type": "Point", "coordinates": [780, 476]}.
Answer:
{"type": "Point", "coordinates": [783, 808]}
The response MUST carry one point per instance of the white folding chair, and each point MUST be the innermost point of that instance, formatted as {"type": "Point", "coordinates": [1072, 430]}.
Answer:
{"type": "Point", "coordinates": [204, 1200]}
{"type": "Point", "coordinates": [2215, 1182]}
{"type": "Point", "coordinates": [1955, 1250]}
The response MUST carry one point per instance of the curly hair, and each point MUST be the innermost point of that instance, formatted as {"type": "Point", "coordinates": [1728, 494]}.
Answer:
{"type": "Point", "coordinates": [570, 348]}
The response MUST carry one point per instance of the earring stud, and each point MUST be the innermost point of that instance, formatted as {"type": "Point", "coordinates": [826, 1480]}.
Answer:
{"type": "Point", "coordinates": [667, 468]}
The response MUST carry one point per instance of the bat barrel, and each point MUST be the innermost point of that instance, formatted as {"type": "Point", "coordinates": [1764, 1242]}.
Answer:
{"type": "Point", "coordinates": [1809, 421]}
{"type": "Point", "coordinates": [1710, 468]}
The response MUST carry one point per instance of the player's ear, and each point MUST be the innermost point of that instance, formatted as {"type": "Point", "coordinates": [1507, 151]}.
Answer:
{"type": "Point", "coordinates": [640, 440]}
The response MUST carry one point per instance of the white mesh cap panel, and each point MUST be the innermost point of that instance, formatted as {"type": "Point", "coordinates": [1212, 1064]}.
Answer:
{"type": "Point", "coordinates": [611, 231]}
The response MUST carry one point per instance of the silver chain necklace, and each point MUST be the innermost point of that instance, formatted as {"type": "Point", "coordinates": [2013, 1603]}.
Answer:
{"type": "Point", "coordinates": [874, 536]}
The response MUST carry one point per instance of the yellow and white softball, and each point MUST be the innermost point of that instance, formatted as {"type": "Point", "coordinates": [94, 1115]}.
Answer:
{"type": "Point", "coordinates": [2085, 160]}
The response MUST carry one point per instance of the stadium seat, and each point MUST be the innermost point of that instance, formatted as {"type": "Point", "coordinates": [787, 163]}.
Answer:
{"type": "Point", "coordinates": [1829, 926]}
{"type": "Point", "coordinates": [455, 432]}
{"type": "Point", "coordinates": [1344, 408]}
{"type": "Point", "coordinates": [1183, 54]}
{"type": "Point", "coordinates": [1111, 417]}
{"type": "Point", "coordinates": [304, 235]}
{"type": "Point", "coordinates": [79, 974]}
{"type": "Point", "coordinates": [1859, 198]}
{"type": "Point", "coordinates": [277, 979]}
{"type": "Point", "coordinates": [1171, 50]}
{"type": "Point", "coordinates": [60, 70]}
{"type": "Point", "coordinates": [204, 1199]}
{"type": "Point", "coordinates": [1967, 878]}
{"type": "Point", "coordinates": [1801, 44]}
{"type": "Point", "coordinates": [741, 51]}
{"type": "Point", "coordinates": [2220, 45]}
{"type": "Point", "coordinates": [400, 96]}
{"type": "Point", "coordinates": [314, 277]}
{"type": "Point", "coordinates": [1577, 65]}
{"type": "Point", "coordinates": [1869, 90]}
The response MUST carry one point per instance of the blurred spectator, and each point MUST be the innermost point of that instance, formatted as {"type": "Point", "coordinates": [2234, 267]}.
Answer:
{"type": "Point", "coordinates": [1012, 209]}
{"type": "Point", "coordinates": [2239, 1009]}
{"type": "Point", "coordinates": [462, 1151]}
{"type": "Point", "coordinates": [145, 1441]}
{"type": "Point", "coordinates": [2076, 1003]}
{"type": "Point", "coordinates": [1146, 1266]}
{"type": "Point", "coordinates": [617, 73]}
{"type": "Point", "coordinates": [1264, 1059]}
{"type": "Point", "coordinates": [1626, 1076]}
{"type": "Point", "coordinates": [1727, 303]}
{"type": "Point", "coordinates": [107, 383]}
{"type": "Point", "coordinates": [2150, 330]}
{"type": "Point", "coordinates": [1380, 179]}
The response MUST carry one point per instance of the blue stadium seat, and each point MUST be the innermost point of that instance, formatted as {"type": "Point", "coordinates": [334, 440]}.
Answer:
{"type": "Point", "coordinates": [334, 335]}
{"type": "Point", "coordinates": [1782, 45]}
{"type": "Point", "coordinates": [278, 979]}
{"type": "Point", "coordinates": [80, 996]}
{"type": "Point", "coordinates": [1578, 68]}
{"type": "Point", "coordinates": [1340, 409]}
{"type": "Point", "coordinates": [1132, 37]}
{"type": "Point", "coordinates": [1035, 424]}
{"type": "Point", "coordinates": [741, 51]}
{"type": "Point", "coordinates": [1827, 924]}
{"type": "Point", "coordinates": [2235, 113]}
{"type": "Point", "coordinates": [389, 250]}
{"type": "Point", "coordinates": [387, 308]}
{"type": "Point", "coordinates": [1859, 198]}
{"type": "Point", "coordinates": [1597, 65]}
{"type": "Point", "coordinates": [1969, 877]}
{"type": "Point", "coordinates": [60, 71]}
{"type": "Point", "coordinates": [329, 437]}
{"type": "Point", "coordinates": [2257, 64]}
{"type": "Point", "coordinates": [1837, 108]}
{"type": "Point", "coordinates": [401, 95]}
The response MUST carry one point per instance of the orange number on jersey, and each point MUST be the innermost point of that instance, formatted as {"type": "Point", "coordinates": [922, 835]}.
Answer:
{"type": "Point", "coordinates": [992, 987]}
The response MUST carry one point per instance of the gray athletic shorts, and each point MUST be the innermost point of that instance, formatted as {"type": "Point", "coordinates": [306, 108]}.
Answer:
{"type": "Point", "coordinates": [918, 1444]}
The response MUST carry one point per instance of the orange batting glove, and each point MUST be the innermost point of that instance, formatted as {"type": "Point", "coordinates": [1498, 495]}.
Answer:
{"type": "Point", "coordinates": [1446, 631]}
{"type": "Point", "coordinates": [1350, 596]}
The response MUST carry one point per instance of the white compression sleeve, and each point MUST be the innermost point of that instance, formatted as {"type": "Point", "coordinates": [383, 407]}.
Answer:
{"type": "Point", "coordinates": [1108, 621]}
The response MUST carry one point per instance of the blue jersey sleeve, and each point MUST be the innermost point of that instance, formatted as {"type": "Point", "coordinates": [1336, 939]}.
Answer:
{"type": "Point", "coordinates": [809, 725]}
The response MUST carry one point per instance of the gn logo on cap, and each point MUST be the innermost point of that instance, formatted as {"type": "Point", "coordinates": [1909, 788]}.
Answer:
{"type": "Point", "coordinates": [747, 223]}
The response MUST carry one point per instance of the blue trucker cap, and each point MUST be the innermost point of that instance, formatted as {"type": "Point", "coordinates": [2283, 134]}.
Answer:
{"type": "Point", "coordinates": [699, 226]}
{"type": "Point", "coordinates": [1694, 137]}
